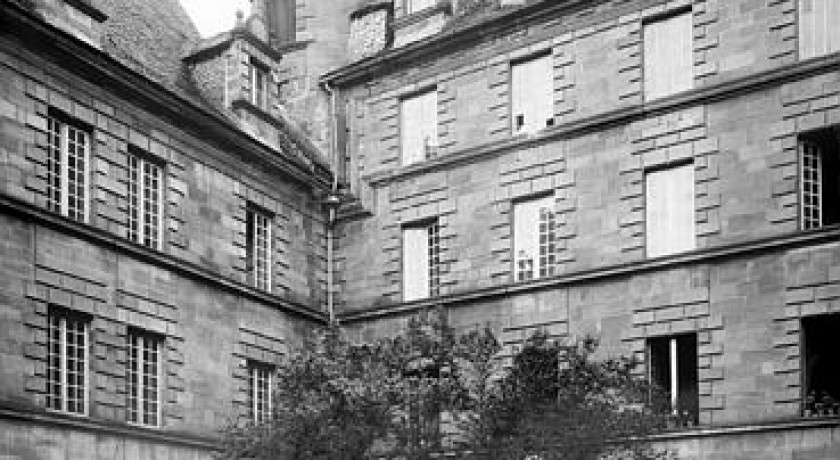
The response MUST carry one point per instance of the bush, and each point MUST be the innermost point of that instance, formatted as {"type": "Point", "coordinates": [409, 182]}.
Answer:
{"type": "Point", "coordinates": [429, 390]}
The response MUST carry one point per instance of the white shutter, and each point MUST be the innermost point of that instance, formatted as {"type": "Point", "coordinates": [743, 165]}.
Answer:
{"type": "Point", "coordinates": [418, 121]}
{"type": "Point", "coordinates": [682, 208]}
{"type": "Point", "coordinates": [542, 92]}
{"type": "Point", "coordinates": [415, 263]}
{"type": "Point", "coordinates": [429, 122]}
{"type": "Point", "coordinates": [532, 93]}
{"type": "Point", "coordinates": [668, 56]}
{"type": "Point", "coordinates": [656, 213]}
{"type": "Point", "coordinates": [518, 96]}
{"type": "Point", "coordinates": [669, 204]}
{"type": "Point", "coordinates": [818, 25]}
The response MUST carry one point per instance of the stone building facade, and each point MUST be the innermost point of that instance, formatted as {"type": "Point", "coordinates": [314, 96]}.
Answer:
{"type": "Point", "coordinates": [163, 241]}
{"type": "Point", "coordinates": [655, 173]}
{"type": "Point", "coordinates": [662, 174]}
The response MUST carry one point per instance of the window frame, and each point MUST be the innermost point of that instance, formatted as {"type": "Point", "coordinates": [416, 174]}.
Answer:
{"type": "Point", "coordinates": [653, 21]}
{"type": "Point", "coordinates": [804, 53]}
{"type": "Point", "coordinates": [63, 316]}
{"type": "Point", "coordinates": [59, 130]}
{"type": "Point", "coordinates": [258, 77]}
{"type": "Point", "coordinates": [674, 393]}
{"type": "Point", "coordinates": [144, 340]}
{"type": "Point", "coordinates": [526, 127]}
{"type": "Point", "coordinates": [538, 270]}
{"type": "Point", "coordinates": [672, 166]}
{"type": "Point", "coordinates": [818, 180]}
{"type": "Point", "coordinates": [433, 258]}
{"type": "Point", "coordinates": [259, 410]}
{"type": "Point", "coordinates": [809, 326]}
{"type": "Point", "coordinates": [260, 272]}
{"type": "Point", "coordinates": [430, 132]}
{"type": "Point", "coordinates": [145, 160]}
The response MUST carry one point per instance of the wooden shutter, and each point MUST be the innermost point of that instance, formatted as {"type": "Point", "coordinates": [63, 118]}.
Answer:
{"type": "Point", "coordinates": [532, 93]}
{"type": "Point", "coordinates": [542, 92]}
{"type": "Point", "coordinates": [415, 263]}
{"type": "Point", "coordinates": [429, 122]}
{"type": "Point", "coordinates": [669, 56]}
{"type": "Point", "coordinates": [410, 136]}
{"type": "Point", "coordinates": [669, 202]}
{"type": "Point", "coordinates": [819, 32]}
{"type": "Point", "coordinates": [418, 121]}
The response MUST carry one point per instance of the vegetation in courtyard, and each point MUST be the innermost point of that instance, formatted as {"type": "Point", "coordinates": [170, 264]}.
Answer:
{"type": "Point", "coordinates": [430, 390]}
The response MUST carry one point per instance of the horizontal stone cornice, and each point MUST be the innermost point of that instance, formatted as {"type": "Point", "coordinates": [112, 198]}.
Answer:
{"type": "Point", "coordinates": [38, 216]}
{"type": "Point", "coordinates": [106, 427]}
{"type": "Point", "coordinates": [692, 258]}
{"type": "Point", "coordinates": [620, 116]}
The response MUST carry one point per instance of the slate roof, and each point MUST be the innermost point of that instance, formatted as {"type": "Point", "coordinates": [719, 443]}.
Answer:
{"type": "Point", "coordinates": [152, 36]}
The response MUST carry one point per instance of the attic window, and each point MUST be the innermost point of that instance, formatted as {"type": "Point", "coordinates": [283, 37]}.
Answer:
{"type": "Point", "coordinates": [258, 77]}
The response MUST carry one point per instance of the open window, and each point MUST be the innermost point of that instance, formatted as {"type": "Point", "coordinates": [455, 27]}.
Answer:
{"type": "Point", "coordinates": [421, 261]}
{"type": "Point", "coordinates": [672, 366]}
{"type": "Point", "coordinates": [819, 178]}
{"type": "Point", "coordinates": [821, 365]}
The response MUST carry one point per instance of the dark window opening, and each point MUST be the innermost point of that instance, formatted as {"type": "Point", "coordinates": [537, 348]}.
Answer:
{"type": "Point", "coordinates": [673, 368]}
{"type": "Point", "coordinates": [822, 365]}
{"type": "Point", "coordinates": [819, 178]}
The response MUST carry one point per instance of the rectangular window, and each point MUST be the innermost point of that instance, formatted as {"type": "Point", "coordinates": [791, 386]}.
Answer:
{"type": "Point", "coordinates": [67, 169]}
{"type": "Point", "coordinates": [145, 201]}
{"type": "Point", "coordinates": [259, 83]}
{"type": "Point", "coordinates": [672, 366]}
{"type": "Point", "coordinates": [819, 179]}
{"type": "Point", "coordinates": [818, 31]}
{"type": "Point", "coordinates": [534, 238]}
{"type": "Point", "coordinates": [821, 366]}
{"type": "Point", "coordinates": [258, 248]}
{"type": "Point", "coordinates": [413, 6]}
{"type": "Point", "coordinates": [421, 261]}
{"type": "Point", "coordinates": [67, 362]}
{"type": "Point", "coordinates": [669, 206]}
{"type": "Point", "coordinates": [668, 56]}
{"type": "Point", "coordinates": [144, 376]}
{"type": "Point", "coordinates": [259, 391]}
{"type": "Point", "coordinates": [419, 127]}
{"type": "Point", "coordinates": [532, 94]}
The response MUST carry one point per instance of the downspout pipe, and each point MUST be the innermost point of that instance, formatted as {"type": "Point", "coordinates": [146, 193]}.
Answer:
{"type": "Point", "coordinates": [331, 202]}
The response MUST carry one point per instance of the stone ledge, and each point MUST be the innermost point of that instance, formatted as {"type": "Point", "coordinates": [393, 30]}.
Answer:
{"type": "Point", "coordinates": [103, 239]}
{"type": "Point", "coordinates": [625, 115]}
{"type": "Point", "coordinates": [780, 425]}
{"type": "Point", "coordinates": [107, 427]}
{"type": "Point", "coordinates": [700, 256]}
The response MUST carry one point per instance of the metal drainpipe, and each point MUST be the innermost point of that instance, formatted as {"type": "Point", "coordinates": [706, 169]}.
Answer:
{"type": "Point", "coordinates": [332, 202]}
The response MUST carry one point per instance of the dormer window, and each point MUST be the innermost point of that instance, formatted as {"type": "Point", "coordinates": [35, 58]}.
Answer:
{"type": "Point", "coordinates": [258, 76]}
